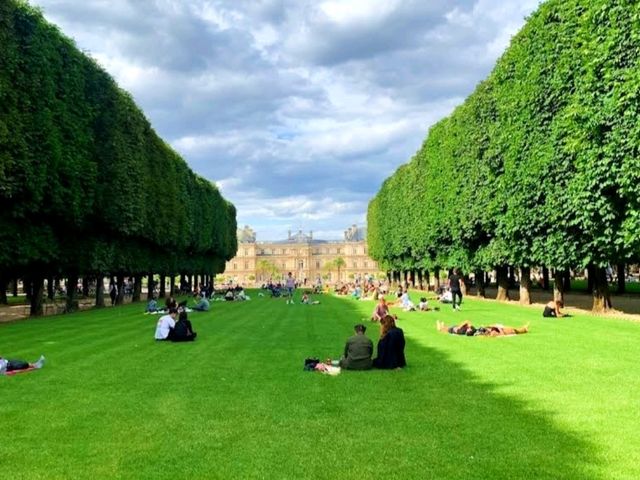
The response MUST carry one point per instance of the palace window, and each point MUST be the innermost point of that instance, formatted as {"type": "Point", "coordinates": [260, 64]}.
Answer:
{"type": "Point", "coordinates": [317, 264]}
{"type": "Point", "coordinates": [235, 266]}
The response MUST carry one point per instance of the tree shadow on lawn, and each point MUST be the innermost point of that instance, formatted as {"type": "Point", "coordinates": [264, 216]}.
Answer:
{"type": "Point", "coordinates": [436, 419]}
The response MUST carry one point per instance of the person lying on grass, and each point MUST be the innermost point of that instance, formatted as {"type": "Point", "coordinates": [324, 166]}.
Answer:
{"type": "Point", "coordinates": [12, 365]}
{"type": "Point", "coordinates": [390, 345]}
{"type": "Point", "coordinates": [552, 309]}
{"type": "Point", "coordinates": [495, 330]}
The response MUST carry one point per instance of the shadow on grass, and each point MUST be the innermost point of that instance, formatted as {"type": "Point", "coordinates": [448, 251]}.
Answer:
{"type": "Point", "coordinates": [436, 419]}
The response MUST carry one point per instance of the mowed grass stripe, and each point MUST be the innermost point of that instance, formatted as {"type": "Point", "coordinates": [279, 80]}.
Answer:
{"type": "Point", "coordinates": [235, 404]}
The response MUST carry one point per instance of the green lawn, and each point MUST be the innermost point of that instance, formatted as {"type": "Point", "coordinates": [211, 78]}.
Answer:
{"type": "Point", "coordinates": [561, 402]}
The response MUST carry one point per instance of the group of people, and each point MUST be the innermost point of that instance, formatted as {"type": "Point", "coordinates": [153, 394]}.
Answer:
{"type": "Point", "coordinates": [201, 305]}
{"type": "Point", "coordinates": [168, 329]}
{"type": "Point", "coordinates": [358, 350]}
{"type": "Point", "coordinates": [495, 330]}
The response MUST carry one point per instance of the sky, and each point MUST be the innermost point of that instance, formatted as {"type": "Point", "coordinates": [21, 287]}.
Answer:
{"type": "Point", "coordinates": [297, 109]}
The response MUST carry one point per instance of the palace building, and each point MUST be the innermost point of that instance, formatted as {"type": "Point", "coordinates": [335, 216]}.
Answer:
{"type": "Point", "coordinates": [305, 257]}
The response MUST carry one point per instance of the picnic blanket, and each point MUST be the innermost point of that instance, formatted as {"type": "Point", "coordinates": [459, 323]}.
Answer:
{"type": "Point", "coordinates": [13, 372]}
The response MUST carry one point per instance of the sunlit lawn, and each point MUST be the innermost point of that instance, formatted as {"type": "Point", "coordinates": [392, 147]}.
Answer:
{"type": "Point", "coordinates": [560, 402]}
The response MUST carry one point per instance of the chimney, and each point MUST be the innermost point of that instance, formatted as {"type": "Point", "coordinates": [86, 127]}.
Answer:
{"type": "Point", "coordinates": [289, 238]}
{"type": "Point", "coordinates": [310, 234]}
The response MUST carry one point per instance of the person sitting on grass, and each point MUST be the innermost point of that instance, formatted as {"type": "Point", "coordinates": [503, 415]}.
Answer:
{"type": "Point", "coordinates": [423, 306]}
{"type": "Point", "coordinates": [12, 365]}
{"type": "Point", "coordinates": [183, 331]}
{"type": "Point", "coordinates": [390, 345]}
{"type": "Point", "coordinates": [405, 302]}
{"type": "Point", "coordinates": [152, 306]}
{"type": "Point", "coordinates": [552, 309]}
{"type": "Point", "coordinates": [306, 300]}
{"type": "Point", "coordinates": [202, 305]}
{"type": "Point", "coordinates": [381, 310]}
{"type": "Point", "coordinates": [357, 350]}
{"type": "Point", "coordinates": [166, 324]}
{"type": "Point", "coordinates": [495, 330]}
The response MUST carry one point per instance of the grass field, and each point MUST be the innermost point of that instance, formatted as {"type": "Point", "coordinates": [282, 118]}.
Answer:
{"type": "Point", "coordinates": [561, 402]}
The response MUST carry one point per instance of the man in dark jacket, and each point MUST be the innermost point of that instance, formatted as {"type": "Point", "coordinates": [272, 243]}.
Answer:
{"type": "Point", "coordinates": [357, 351]}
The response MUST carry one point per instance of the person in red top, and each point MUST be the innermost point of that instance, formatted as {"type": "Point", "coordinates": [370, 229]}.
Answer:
{"type": "Point", "coordinates": [381, 310]}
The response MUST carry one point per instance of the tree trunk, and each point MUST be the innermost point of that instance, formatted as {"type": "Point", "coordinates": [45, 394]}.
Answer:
{"type": "Point", "coordinates": [15, 287]}
{"type": "Point", "coordinates": [27, 287]}
{"type": "Point", "coordinates": [137, 288]}
{"type": "Point", "coordinates": [100, 290]}
{"type": "Point", "coordinates": [150, 286]}
{"type": "Point", "coordinates": [36, 287]}
{"type": "Point", "coordinates": [172, 285]}
{"type": "Point", "coordinates": [545, 279]}
{"type": "Point", "coordinates": [480, 291]}
{"type": "Point", "coordinates": [436, 279]}
{"type": "Point", "coordinates": [4, 284]}
{"type": "Point", "coordinates": [51, 291]}
{"type": "Point", "coordinates": [420, 284]}
{"type": "Point", "coordinates": [566, 281]}
{"type": "Point", "coordinates": [427, 280]}
{"type": "Point", "coordinates": [163, 292]}
{"type": "Point", "coordinates": [512, 277]}
{"type": "Point", "coordinates": [72, 290]}
{"type": "Point", "coordinates": [591, 275]}
{"type": "Point", "coordinates": [621, 278]}
{"type": "Point", "coordinates": [558, 285]}
{"type": "Point", "coordinates": [601, 295]}
{"type": "Point", "coordinates": [463, 284]}
{"type": "Point", "coordinates": [502, 277]}
{"type": "Point", "coordinates": [525, 286]}
{"type": "Point", "coordinates": [85, 286]}
{"type": "Point", "coordinates": [120, 285]}
{"type": "Point", "coordinates": [389, 278]}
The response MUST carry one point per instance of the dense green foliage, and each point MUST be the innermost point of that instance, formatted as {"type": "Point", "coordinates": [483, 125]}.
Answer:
{"type": "Point", "coordinates": [112, 403]}
{"type": "Point", "coordinates": [86, 185]}
{"type": "Point", "coordinates": [540, 166]}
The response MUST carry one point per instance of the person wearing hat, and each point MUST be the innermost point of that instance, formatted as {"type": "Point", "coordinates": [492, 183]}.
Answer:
{"type": "Point", "coordinates": [358, 350]}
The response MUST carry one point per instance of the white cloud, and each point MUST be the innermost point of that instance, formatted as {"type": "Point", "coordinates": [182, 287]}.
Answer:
{"type": "Point", "coordinates": [297, 109]}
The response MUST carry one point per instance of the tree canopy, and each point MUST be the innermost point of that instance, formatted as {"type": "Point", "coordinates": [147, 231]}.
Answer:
{"type": "Point", "coordinates": [539, 166]}
{"type": "Point", "coordinates": [86, 185]}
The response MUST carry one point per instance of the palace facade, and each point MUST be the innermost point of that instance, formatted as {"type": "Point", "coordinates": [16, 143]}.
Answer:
{"type": "Point", "coordinates": [302, 255]}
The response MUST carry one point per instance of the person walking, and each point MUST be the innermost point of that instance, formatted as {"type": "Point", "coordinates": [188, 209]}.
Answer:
{"type": "Point", "coordinates": [454, 287]}
{"type": "Point", "coordinates": [290, 285]}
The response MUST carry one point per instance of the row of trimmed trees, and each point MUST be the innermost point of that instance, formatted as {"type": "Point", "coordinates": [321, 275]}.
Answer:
{"type": "Point", "coordinates": [87, 188]}
{"type": "Point", "coordinates": [540, 166]}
